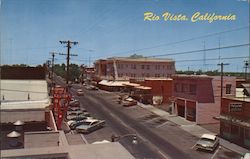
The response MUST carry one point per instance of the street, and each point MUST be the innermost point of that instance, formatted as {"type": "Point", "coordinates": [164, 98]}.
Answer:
{"type": "Point", "coordinates": [157, 138]}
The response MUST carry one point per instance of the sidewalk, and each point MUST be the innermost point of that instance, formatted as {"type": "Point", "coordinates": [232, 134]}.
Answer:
{"type": "Point", "coordinates": [192, 128]}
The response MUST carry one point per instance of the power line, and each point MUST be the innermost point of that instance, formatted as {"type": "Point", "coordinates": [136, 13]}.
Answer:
{"type": "Point", "coordinates": [182, 41]}
{"type": "Point", "coordinates": [213, 59]}
{"type": "Point", "coordinates": [69, 43]}
{"type": "Point", "coordinates": [196, 51]}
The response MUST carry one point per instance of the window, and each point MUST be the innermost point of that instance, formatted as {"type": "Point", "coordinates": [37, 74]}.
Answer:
{"type": "Point", "coordinates": [148, 67]}
{"type": "Point", "coordinates": [184, 88]}
{"type": "Point", "coordinates": [147, 75]}
{"type": "Point", "coordinates": [177, 87]}
{"type": "Point", "coordinates": [157, 67]}
{"type": "Point", "coordinates": [142, 66]}
{"type": "Point", "coordinates": [133, 66]}
{"type": "Point", "coordinates": [228, 88]}
{"type": "Point", "coordinates": [192, 88]}
{"type": "Point", "coordinates": [157, 75]}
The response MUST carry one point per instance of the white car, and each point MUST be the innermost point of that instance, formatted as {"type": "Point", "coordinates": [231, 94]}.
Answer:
{"type": "Point", "coordinates": [90, 125]}
{"type": "Point", "coordinates": [207, 142]}
{"type": "Point", "coordinates": [80, 92]}
{"type": "Point", "coordinates": [246, 156]}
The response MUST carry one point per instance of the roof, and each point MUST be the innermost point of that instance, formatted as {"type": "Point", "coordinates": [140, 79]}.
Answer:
{"type": "Point", "coordinates": [89, 151]}
{"type": "Point", "coordinates": [144, 59]}
{"type": "Point", "coordinates": [208, 136]}
{"type": "Point", "coordinates": [143, 87]}
{"type": "Point", "coordinates": [24, 94]}
{"type": "Point", "coordinates": [113, 83]}
{"type": "Point", "coordinates": [158, 79]}
{"type": "Point", "coordinates": [192, 76]}
{"type": "Point", "coordinates": [131, 84]}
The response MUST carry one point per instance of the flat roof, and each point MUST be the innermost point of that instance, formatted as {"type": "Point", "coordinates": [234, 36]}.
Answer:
{"type": "Point", "coordinates": [24, 94]}
{"type": "Point", "coordinates": [113, 83]}
{"type": "Point", "coordinates": [89, 151]}
{"type": "Point", "coordinates": [131, 84]}
{"type": "Point", "coordinates": [143, 87]}
{"type": "Point", "coordinates": [144, 59]}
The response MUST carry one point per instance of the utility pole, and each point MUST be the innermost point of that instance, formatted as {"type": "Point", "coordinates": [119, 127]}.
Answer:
{"type": "Point", "coordinates": [246, 67]}
{"type": "Point", "coordinates": [52, 67]}
{"type": "Point", "coordinates": [221, 76]}
{"type": "Point", "coordinates": [68, 55]}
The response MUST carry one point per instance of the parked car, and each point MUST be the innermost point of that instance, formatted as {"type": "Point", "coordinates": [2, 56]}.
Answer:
{"type": "Point", "coordinates": [76, 109]}
{"type": "Point", "coordinates": [74, 114]}
{"type": "Point", "coordinates": [91, 87]}
{"type": "Point", "coordinates": [246, 156]}
{"type": "Point", "coordinates": [207, 142]}
{"type": "Point", "coordinates": [80, 92]}
{"type": "Point", "coordinates": [74, 117]}
{"type": "Point", "coordinates": [90, 125]}
{"type": "Point", "coordinates": [74, 103]}
{"type": "Point", "coordinates": [73, 123]}
{"type": "Point", "coordinates": [129, 102]}
{"type": "Point", "coordinates": [78, 112]}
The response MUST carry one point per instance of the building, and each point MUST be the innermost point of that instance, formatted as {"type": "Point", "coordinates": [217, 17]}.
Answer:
{"type": "Point", "coordinates": [235, 118]}
{"type": "Point", "coordinates": [161, 88]}
{"type": "Point", "coordinates": [197, 98]}
{"type": "Point", "coordinates": [28, 127]}
{"type": "Point", "coordinates": [121, 68]}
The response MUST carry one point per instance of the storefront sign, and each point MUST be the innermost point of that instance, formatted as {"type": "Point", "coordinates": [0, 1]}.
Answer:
{"type": "Point", "coordinates": [235, 107]}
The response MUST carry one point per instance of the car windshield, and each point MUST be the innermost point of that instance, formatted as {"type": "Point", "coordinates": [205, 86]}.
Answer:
{"type": "Point", "coordinates": [206, 139]}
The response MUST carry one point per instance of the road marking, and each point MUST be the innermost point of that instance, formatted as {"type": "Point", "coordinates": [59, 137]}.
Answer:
{"type": "Point", "coordinates": [217, 150]}
{"type": "Point", "coordinates": [163, 154]}
{"type": "Point", "coordinates": [193, 146]}
{"type": "Point", "coordinates": [162, 124]}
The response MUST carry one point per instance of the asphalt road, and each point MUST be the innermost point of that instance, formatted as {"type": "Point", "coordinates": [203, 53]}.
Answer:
{"type": "Point", "coordinates": [151, 144]}
{"type": "Point", "coordinates": [154, 141]}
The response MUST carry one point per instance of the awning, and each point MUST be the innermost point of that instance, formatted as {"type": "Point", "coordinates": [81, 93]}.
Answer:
{"type": "Point", "coordinates": [113, 83]}
{"type": "Point", "coordinates": [233, 120]}
{"type": "Point", "coordinates": [132, 84]}
{"type": "Point", "coordinates": [143, 87]}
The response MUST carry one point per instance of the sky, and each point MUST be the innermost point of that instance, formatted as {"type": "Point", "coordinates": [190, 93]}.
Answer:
{"type": "Point", "coordinates": [31, 30]}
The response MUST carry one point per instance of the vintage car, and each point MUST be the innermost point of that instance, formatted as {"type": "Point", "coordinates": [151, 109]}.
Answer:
{"type": "Point", "coordinates": [91, 87]}
{"type": "Point", "coordinates": [246, 156]}
{"type": "Point", "coordinates": [74, 117]}
{"type": "Point", "coordinates": [207, 142]}
{"type": "Point", "coordinates": [74, 103]}
{"type": "Point", "coordinates": [80, 92]}
{"type": "Point", "coordinates": [129, 102]}
{"type": "Point", "coordinates": [90, 125]}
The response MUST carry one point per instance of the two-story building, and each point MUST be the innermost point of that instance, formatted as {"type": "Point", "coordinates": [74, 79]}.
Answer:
{"type": "Point", "coordinates": [197, 97]}
{"type": "Point", "coordinates": [235, 118]}
{"type": "Point", "coordinates": [124, 68]}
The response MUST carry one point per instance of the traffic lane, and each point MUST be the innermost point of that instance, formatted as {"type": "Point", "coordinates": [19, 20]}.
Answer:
{"type": "Point", "coordinates": [161, 144]}
{"type": "Point", "coordinates": [152, 121]}
{"type": "Point", "coordinates": [141, 150]}
{"type": "Point", "coordinates": [224, 153]}
{"type": "Point", "coordinates": [170, 131]}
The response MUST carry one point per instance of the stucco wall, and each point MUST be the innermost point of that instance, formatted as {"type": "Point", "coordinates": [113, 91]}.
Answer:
{"type": "Point", "coordinates": [23, 115]}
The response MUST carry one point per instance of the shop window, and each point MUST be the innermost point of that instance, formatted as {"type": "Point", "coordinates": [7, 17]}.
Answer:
{"type": "Point", "coordinates": [247, 137]}
{"type": "Point", "coordinates": [228, 88]}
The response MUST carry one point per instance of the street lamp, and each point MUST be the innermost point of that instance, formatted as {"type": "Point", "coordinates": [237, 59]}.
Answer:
{"type": "Point", "coordinates": [115, 138]}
